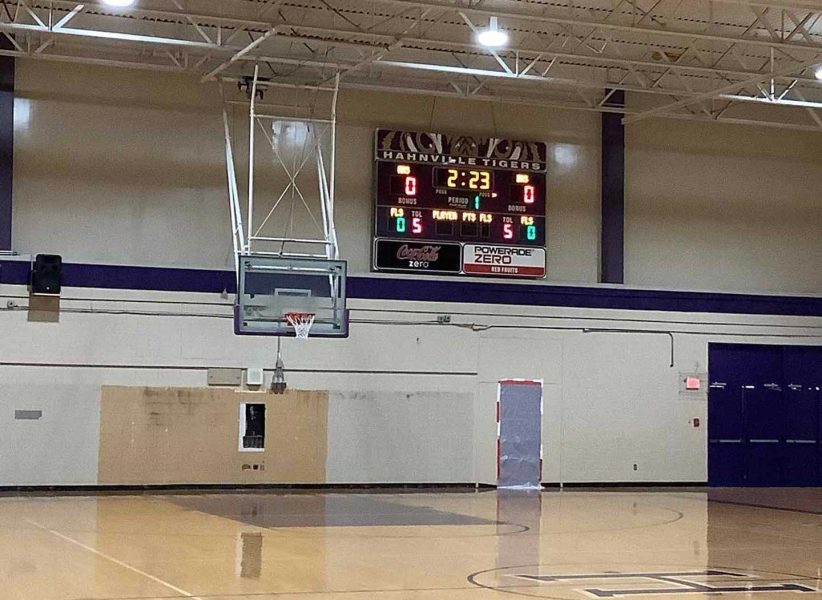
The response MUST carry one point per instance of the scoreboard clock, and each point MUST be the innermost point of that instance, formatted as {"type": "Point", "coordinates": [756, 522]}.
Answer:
{"type": "Point", "coordinates": [459, 204]}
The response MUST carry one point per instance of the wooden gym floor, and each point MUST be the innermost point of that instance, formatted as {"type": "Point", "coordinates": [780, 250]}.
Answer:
{"type": "Point", "coordinates": [397, 546]}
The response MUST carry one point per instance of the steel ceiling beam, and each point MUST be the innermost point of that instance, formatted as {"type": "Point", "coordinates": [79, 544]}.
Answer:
{"type": "Point", "coordinates": [774, 101]}
{"type": "Point", "coordinates": [154, 39]}
{"type": "Point", "coordinates": [541, 103]}
{"type": "Point", "coordinates": [183, 17]}
{"type": "Point", "coordinates": [107, 35]}
{"type": "Point", "coordinates": [597, 49]}
{"type": "Point", "coordinates": [100, 62]}
{"type": "Point", "coordinates": [238, 55]}
{"type": "Point", "coordinates": [473, 72]}
{"type": "Point", "coordinates": [605, 25]}
{"type": "Point", "coordinates": [621, 62]}
{"type": "Point", "coordinates": [669, 108]}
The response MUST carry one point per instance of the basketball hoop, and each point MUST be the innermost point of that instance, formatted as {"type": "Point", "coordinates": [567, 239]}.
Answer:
{"type": "Point", "coordinates": [301, 322]}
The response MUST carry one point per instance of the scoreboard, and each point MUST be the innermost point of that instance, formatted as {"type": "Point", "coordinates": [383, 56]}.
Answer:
{"type": "Point", "coordinates": [459, 204]}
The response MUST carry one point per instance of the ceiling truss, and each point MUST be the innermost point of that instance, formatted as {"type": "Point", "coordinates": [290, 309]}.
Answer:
{"type": "Point", "coordinates": [749, 61]}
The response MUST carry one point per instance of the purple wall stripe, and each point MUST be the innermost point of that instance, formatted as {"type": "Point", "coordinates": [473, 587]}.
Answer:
{"type": "Point", "coordinates": [471, 292]}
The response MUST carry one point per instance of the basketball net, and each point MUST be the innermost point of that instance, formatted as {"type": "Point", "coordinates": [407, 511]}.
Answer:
{"type": "Point", "coordinates": [301, 322]}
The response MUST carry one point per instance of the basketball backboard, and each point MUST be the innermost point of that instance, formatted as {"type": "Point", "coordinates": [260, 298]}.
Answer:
{"type": "Point", "coordinates": [270, 287]}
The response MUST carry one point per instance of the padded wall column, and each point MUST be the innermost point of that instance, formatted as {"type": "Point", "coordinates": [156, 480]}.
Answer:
{"type": "Point", "coordinates": [612, 233]}
{"type": "Point", "coordinates": [6, 144]}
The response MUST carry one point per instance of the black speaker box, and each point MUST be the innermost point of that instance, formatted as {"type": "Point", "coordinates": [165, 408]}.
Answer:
{"type": "Point", "coordinates": [46, 274]}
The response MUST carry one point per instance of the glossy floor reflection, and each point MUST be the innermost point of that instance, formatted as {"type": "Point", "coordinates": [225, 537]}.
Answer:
{"type": "Point", "coordinates": [569, 545]}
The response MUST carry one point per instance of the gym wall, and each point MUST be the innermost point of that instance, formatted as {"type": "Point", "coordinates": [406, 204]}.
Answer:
{"type": "Point", "coordinates": [408, 400]}
{"type": "Point", "coordinates": [128, 167]}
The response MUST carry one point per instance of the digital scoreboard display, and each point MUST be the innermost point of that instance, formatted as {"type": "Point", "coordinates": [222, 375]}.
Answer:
{"type": "Point", "coordinates": [459, 204]}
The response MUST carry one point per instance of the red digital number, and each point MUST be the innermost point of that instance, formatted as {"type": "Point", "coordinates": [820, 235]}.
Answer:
{"type": "Point", "coordinates": [416, 225]}
{"type": "Point", "coordinates": [528, 194]}
{"type": "Point", "coordinates": [508, 231]}
{"type": "Point", "coordinates": [410, 186]}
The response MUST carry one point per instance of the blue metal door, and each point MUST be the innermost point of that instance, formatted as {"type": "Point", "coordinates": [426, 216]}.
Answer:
{"type": "Point", "coordinates": [726, 452]}
{"type": "Point", "coordinates": [740, 391]}
{"type": "Point", "coordinates": [803, 436]}
{"type": "Point", "coordinates": [819, 434]}
{"type": "Point", "coordinates": [764, 415]}
{"type": "Point", "coordinates": [802, 413]}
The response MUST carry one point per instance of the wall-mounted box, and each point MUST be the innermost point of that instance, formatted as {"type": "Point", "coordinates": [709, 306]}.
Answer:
{"type": "Point", "coordinates": [693, 385]}
{"type": "Point", "coordinates": [225, 376]}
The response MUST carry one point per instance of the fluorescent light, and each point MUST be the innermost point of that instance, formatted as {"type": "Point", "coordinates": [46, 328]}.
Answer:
{"type": "Point", "coordinates": [493, 37]}
{"type": "Point", "coordinates": [818, 72]}
{"type": "Point", "coordinates": [119, 3]}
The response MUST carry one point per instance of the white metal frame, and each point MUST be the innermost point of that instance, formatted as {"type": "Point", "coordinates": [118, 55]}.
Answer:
{"type": "Point", "coordinates": [246, 231]}
{"type": "Point", "coordinates": [242, 422]}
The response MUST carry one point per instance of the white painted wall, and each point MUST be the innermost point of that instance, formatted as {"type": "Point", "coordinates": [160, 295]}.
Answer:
{"type": "Point", "coordinates": [60, 447]}
{"type": "Point", "coordinates": [127, 167]}
{"type": "Point", "coordinates": [723, 207]}
{"type": "Point", "coordinates": [432, 430]}
{"type": "Point", "coordinates": [118, 167]}
{"type": "Point", "coordinates": [611, 399]}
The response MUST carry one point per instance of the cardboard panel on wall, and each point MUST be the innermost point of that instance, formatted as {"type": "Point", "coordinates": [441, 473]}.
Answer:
{"type": "Point", "coordinates": [190, 435]}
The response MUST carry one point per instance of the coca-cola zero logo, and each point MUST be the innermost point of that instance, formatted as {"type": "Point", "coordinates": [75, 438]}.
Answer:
{"type": "Point", "coordinates": [428, 257]}
{"type": "Point", "coordinates": [420, 258]}
{"type": "Point", "coordinates": [429, 253]}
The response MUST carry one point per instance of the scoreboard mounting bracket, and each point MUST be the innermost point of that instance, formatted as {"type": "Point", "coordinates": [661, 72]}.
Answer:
{"type": "Point", "coordinates": [459, 204]}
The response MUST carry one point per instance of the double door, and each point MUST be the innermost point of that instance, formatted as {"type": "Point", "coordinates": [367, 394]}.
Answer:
{"type": "Point", "coordinates": [765, 415]}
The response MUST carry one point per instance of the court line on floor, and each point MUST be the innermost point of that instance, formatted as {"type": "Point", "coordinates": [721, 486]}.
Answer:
{"type": "Point", "coordinates": [116, 561]}
{"type": "Point", "coordinates": [269, 594]}
{"type": "Point", "coordinates": [766, 506]}
{"type": "Point", "coordinates": [510, 588]}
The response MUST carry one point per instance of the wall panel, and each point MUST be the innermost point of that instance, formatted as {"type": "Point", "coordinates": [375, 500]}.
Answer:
{"type": "Point", "coordinates": [127, 168]}
{"type": "Point", "coordinates": [61, 446]}
{"type": "Point", "coordinates": [611, 398]}
{"type": "Point", "coordinates": [412, 437]}
{"type": "Point", "coordinates": [723, 207]}
{"type": "Point", "coordinates": [136, 174]}
{"type": "Point", "coordinates": [188, 435]}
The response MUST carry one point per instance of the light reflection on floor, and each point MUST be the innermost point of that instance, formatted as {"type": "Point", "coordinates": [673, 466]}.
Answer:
{"type": "Point", "coordinates": [345, 546]}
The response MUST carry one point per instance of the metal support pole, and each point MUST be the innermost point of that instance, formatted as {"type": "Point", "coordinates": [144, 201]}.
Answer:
{"type": "Point", "coordinates": [773, 83]}
{"type": "Point", "coordinates": [322, 185]}
{"type": "Point", "coordinates": [238, 232]}
{"type": "Point", "coordinates": [229, 161]}
{"type": "Point", "coordinates": [332, 186]}
{"type": "Point", "coordinates": [251, 119]}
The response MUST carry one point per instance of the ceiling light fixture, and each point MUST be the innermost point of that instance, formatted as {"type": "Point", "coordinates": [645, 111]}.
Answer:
{"type": "Point", "coordinates": [119, 3]}
{"type": "Point", "coordinates": [493, 36]}
{"type": "Point", "coordinates": [818, 72]}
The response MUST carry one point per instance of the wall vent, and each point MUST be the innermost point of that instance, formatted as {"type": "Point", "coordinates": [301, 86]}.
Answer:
{"type": "Point", "coordinates": [28, 415]}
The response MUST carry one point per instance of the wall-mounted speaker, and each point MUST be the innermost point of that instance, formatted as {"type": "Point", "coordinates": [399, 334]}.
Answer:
{"type": "Point", "coordinates": [46, 274]}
